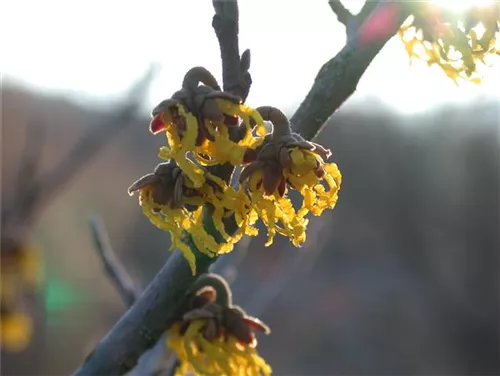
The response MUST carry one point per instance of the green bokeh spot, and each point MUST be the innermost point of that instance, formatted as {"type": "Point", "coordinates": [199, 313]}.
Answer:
{"type": "Point", "coordinates": [59, 296]}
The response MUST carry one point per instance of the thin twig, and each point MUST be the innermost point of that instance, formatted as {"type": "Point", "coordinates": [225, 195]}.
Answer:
{"type": "Point", "coordinates": [352, 22]}
{"type": "Point", "coordinates": [157, 308]}
{"type": "Point", "coordinates": [112, 266]}
{"type": "Point", "coordinates": [342, 13]}
{"type": "Point", "coordinates": [150, 361]}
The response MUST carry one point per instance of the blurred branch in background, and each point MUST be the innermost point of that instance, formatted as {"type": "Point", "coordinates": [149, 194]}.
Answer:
{"type": "Point", "coordinates": [113, 268]}
{"type": "Point", "coordinates": [27, 193]}
{"type": "Point", "coordinates": [38, 192]}
{"type": "Point", "coordinates": [21, 262]}
{"type": "Point", "coordinates": [152, 361]}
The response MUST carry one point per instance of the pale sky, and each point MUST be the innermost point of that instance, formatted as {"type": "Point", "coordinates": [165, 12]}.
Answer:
{"type": "Point", "coordinates": [99, 47]}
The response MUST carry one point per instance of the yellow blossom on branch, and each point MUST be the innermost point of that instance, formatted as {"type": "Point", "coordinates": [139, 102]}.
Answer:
{"type": "Point", "coordinates": [205, 121]}
{"type": "Point", "coordinates": [205, 127]}
{"type": "Point", "coordinates": [172, 202]}
{"type": "Point", "coordinates": [306, 174]}
{"type": "Point", "coordinates": [216, 338]}
{"type": "Point", "coordinates": [287, 161]}
{"type": "Point", "coordinates": [275, 211]}
{"type": "Point", "coordinates": [459, 43]}
{"type": "Point", "coordinates": [218, 357]}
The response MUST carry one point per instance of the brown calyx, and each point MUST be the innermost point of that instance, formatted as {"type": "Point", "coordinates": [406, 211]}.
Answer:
{"type": "Point", "coordinates": [200, 100]}
{"type": "Point", "coordinates": [274, 154]}
{"type": "Point", "coordinates": [221, 319]}
{"type": "Point", "coordinates": [166, 184]}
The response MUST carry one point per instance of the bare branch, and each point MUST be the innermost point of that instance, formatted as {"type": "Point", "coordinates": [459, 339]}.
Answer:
{"type": "Point", "coordinates": [49, 184]}
{"type": "Point", "coordinates": [112, 266]}
{"type": "Point", "coordinates": [338, 78]}
{"type": "Point", "coordinates": [146, 321]}
{"type": "Point", "coordinates": [157, 308]}
{"type": "Point", "coordinates": [342, 13]}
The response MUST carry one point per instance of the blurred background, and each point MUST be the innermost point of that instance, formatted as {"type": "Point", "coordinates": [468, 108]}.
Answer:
{"type": "Point", "coordinates": [400, 279]}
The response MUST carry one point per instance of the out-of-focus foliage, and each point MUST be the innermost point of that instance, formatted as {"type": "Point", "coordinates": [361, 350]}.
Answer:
{"type": "Point", "coordinates": [461, 43]}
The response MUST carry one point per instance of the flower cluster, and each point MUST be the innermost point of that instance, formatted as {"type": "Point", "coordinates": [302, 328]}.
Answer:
{"type": "Point", "coordinates": [205, 126]}
{"type": "Point", "coordinates": [19, 278]}
{"type": "Point", "coordinates": [286, 161]}
{"type": "Point", "coordinates": [216, 338]}
{"type": "Point", "coordinates": [457, 43]}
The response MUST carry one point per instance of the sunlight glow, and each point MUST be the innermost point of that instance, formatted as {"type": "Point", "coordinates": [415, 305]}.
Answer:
{"type": "Point", "coordinates": [461, 5]}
